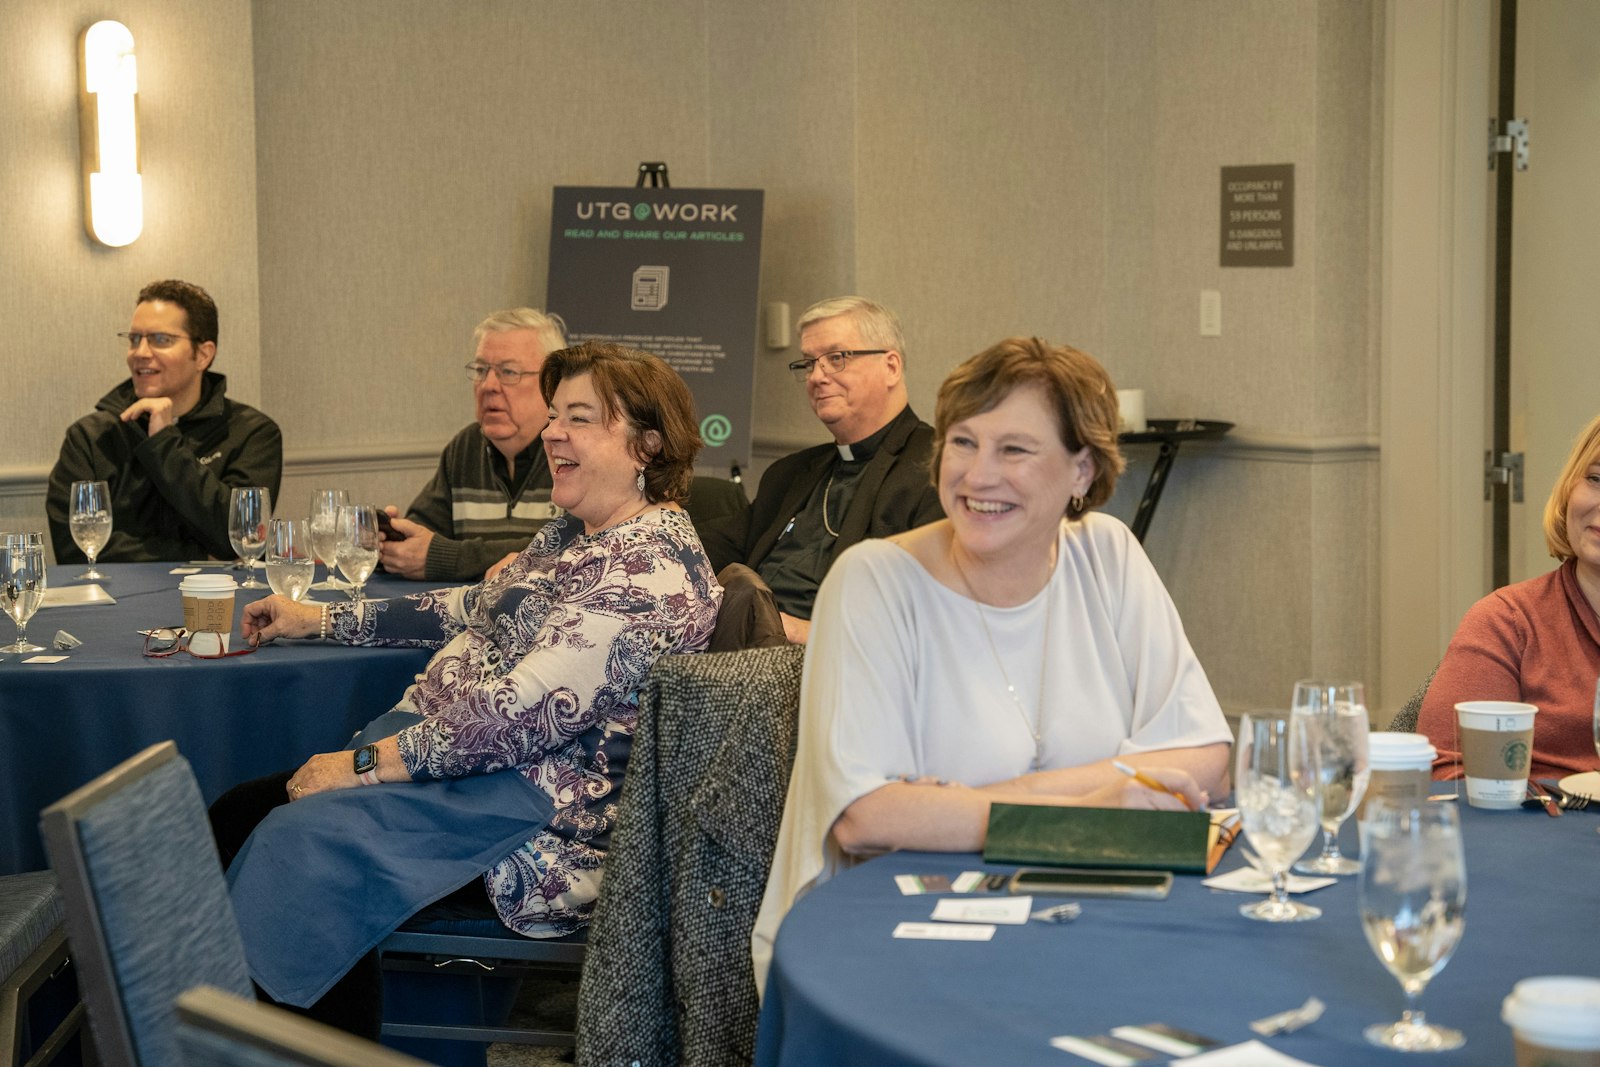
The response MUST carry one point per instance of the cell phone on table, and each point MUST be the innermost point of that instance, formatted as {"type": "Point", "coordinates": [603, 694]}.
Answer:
{"type": "Point", "coordinates": [386, 524]}
{"type": "Point", "coordinates": [1084, 882]}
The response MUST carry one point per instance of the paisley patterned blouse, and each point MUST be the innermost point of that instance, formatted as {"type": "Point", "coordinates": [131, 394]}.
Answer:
{"type": "Point", "coordinates": [539, 670]}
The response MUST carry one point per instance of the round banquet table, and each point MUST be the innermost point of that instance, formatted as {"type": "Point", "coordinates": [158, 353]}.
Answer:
{"type": "Point", "coordinates": [61, 724]}
{"type": "Point", "coordinates": [843, 991]}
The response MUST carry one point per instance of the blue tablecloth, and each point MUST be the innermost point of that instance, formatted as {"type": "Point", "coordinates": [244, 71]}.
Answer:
{"type": "Point", "coordinates": [62, 724]}
{"type": "Point", "coordinates": [843, 991]}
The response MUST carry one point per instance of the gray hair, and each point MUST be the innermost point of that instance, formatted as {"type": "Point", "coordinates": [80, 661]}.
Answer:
{"type": "Point", "coordinates": [878, 325]}
{"type": "Point", "coordinates": [552, 331]}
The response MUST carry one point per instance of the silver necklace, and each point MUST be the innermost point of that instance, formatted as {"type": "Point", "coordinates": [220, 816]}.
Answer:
{"type": "Point", "coordinates": [1035, 724]}
{"type": "Point", "coordinates": [826, 525]}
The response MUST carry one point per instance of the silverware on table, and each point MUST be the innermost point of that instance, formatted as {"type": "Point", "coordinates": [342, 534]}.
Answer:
{"type": "Point", "coordinates": [1537, 795]}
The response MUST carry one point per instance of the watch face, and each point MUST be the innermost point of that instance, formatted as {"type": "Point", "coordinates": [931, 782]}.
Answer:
{"type": "Point", "coordinates": [366, 759]}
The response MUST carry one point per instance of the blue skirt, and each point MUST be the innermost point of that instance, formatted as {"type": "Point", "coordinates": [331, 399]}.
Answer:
{"type": "Point", "coordinates": [321, 881]}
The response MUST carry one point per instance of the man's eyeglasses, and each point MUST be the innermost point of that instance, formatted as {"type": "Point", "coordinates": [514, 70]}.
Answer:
{"type": "Point", "coordinates": [507, 375]}
{"type": "Point", "coordinates": [832, 362]}
{"type": "Point", "coordinates": [159, 643]}
{"type": "Point", "coordinates": [158, 341]}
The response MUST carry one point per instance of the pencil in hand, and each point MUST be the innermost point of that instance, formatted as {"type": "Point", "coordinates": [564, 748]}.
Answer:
{"type": "Point", "coordinates": [1149, 782]}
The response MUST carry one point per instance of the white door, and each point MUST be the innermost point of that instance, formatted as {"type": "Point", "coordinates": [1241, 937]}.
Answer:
{"type": "Point", "coordinates": [1555, 298]}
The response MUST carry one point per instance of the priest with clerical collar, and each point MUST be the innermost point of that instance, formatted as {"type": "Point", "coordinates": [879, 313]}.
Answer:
{"type": "Point", "coordinates": [871, 482]}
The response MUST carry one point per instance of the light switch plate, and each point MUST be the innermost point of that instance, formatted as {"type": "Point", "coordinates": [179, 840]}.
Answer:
{"type": "Point", "coordinates": [1210, 313]}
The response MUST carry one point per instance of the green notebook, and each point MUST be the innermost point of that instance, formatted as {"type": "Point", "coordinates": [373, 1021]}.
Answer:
{"type": "Point", "coordinates": [1177, 841]}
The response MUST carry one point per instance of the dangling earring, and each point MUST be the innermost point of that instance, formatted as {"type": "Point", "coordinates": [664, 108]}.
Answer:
{"type": "Point", "coordinates": [638, 483]}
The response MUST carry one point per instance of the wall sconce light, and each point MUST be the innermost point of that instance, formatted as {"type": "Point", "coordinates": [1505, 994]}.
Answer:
{"type": "Point", "coordinates": [108, 121]}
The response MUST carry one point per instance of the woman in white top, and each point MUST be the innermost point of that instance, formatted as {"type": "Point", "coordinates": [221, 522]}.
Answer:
{"type": "Point", "coordinates": [1008, 652]}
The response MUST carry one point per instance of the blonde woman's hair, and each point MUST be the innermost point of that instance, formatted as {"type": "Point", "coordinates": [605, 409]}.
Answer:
{"type": "Point", "coordinates": [1585, 452]}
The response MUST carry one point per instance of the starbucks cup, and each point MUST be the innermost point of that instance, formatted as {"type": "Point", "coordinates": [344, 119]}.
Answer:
{"type": "Point", "coordinates": [1402, 768]}
{"type": "Point", "coordinates": [207, 606]}
{"type": "Point", "coordinates": [1496, 751]}
{"type": "Point", "coordinates": [1555, 1021]}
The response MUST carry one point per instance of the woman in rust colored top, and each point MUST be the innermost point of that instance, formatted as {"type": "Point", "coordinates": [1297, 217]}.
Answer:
{"type": "Point", "coordinates": [1537, 641]}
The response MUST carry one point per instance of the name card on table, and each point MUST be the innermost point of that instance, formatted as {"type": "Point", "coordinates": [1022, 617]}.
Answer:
{"type": "Point", "coordinates": [1009, 911]}
{"type": "Point", "coordinates": [945, 931]}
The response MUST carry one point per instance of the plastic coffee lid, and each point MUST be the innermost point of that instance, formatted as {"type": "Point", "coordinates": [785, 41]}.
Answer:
{"type": "Point", "coordinates": [1558, 1011]}
{"type": "Point", "coordinates": [1399, 751]}
{"type": "Point", "coordinates": [1484, 714]}
{"type": "Point", "coordinates": [207, 584]}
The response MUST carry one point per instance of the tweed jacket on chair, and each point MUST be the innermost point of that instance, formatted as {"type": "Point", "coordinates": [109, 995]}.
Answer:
{"type": "Point", "coordinates": [667, 979]}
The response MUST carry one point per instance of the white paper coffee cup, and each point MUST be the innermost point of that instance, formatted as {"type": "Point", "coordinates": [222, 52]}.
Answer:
{"type": "Point", "coordinates": [1496, 751]}
{"type": "Point", "coordinates": [1402, 768]}
{"type": "Point", "coordinates": [207, 608]}
{"type": "Point", "coordinates": [1130, 402]}
{"type": "Point", "coordinates": [1555, 1021]}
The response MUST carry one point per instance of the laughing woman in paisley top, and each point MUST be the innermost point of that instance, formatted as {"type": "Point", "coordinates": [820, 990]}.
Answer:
{"type": "Point", "coordinates": [536, 676]}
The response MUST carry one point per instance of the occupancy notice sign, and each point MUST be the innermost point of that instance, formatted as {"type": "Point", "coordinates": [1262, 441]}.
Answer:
{"type": "Point", "coordinates": [675, 272]}
{"type": "Point", "coordinates": [1258, 216]}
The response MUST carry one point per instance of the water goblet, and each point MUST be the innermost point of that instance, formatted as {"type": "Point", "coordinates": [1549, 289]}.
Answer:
{"type": "Point", "coordinates": [22, 584]}
{"type": "Point", "coordinates": [1413, 898]}
{"type": "Point", "coordinates": [358, 545]}
{"type": "Point", "coordinates": [325, 505]}
{"type": "Point", "coordinates": [1335, 716]}
{"type": "Point", "coordinates": [290, 564]}
{"type": "Point", "coordinates": [1275, 785]}
{"type": "Point", "coordinates": [89, 520]}
{"type": "Point", "coordinates": [249, 508]}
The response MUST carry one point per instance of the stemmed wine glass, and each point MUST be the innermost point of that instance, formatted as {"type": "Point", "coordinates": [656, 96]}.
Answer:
{"type": "Point", "coordinates": [358, 545]}
{"type": "Point", "coordinates": [249, 508]}
{"type": "Point", "coordinates": [290, 564]}
{"type": "Point", "coordinates": [90, 521]}
{"type": "Point", "coordinates": [22, 584]}
{"type": "Point", "coordinates": [1597, 716]}
{"type": "Point", "coordinates": [325, 505]}
{"type": "Point", "coordinates": [1413, 900]}
{"type": "Point", "coordinates": [1335, 716]}
{"type": "Point", "coordinates": [1275, 782]}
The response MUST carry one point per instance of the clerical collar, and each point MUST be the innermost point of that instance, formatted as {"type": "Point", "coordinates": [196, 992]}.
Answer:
{"type": "Point", "coordinates": [863, 450]}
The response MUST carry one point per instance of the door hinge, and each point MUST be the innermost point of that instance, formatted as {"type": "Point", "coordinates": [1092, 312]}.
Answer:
{"type": "Point", "coordinates": [1506, 472]}
{"type": "Point", "coordinates": [1513, 139]}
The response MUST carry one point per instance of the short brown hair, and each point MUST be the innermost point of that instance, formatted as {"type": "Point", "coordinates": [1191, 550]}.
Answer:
{"type": "Point", "coordinates": [1076, 387]}
{"type": "Point", "coordinates": [648, 395]}
{"type": "Point", "coordinates": [199, 310]}
{"type": "Point", "coordinates": [1585, 451]}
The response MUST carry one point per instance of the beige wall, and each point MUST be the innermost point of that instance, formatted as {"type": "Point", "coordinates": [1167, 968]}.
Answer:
{"type": "Point", "coordinates": [68, 296]}
{"type": "Point", "coordinates": [1036, 166]}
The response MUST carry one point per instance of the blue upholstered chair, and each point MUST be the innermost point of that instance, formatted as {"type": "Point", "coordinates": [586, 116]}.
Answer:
{"type": "Point", "coordinates": [33, 951]}
{"type": "Point", "coordinates": [217, 1029]}
{"type": "Point", "coordinates": [460, 972]}
{"type": "Point", "coordinates": [147, 906]}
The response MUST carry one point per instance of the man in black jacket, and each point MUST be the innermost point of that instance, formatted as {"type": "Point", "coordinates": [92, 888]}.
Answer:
{"type": "Point", "coordinates": [871, 482]}
{"type": "Point", "coordinates": [168, 441]}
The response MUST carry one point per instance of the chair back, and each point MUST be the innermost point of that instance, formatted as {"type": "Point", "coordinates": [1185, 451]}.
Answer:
{"type": "Point", "coordinates": [668, 978]}
{"type": "Point", "coordinates": [147, 905]}
{"type": "Point", "coordinates": [748, 617]}
{"type": "Point", "coordinates": [217, 1029]}
{"type": "Point", "coordinates": [715, 500]}
{"type": "Point", "coordinates": [1405, 720]}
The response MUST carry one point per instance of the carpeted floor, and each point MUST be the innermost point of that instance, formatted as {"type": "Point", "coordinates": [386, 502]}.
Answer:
{"type": "Point", "coordinates": [545, 1002]}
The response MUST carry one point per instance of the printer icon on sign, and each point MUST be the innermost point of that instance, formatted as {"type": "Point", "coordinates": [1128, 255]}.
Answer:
{"type": "Point", "coordinates": [650, 288]}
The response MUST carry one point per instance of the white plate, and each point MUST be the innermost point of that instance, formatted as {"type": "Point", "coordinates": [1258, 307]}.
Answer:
{"type": "Point", "coordinates": [1586, 784]}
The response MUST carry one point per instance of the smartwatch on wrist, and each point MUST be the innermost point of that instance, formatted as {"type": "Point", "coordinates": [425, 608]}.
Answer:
{"type": "Point", "coordinates": [366, 764]}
